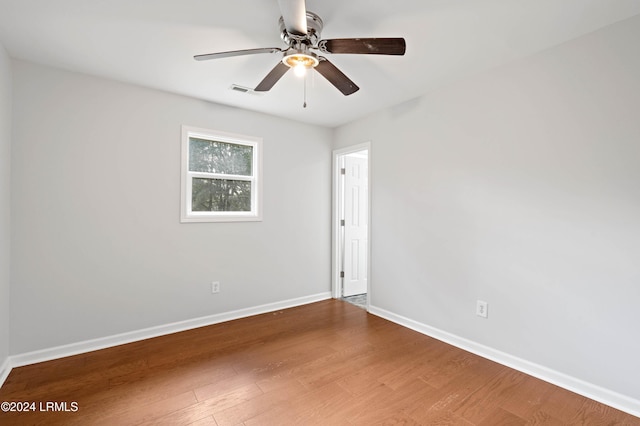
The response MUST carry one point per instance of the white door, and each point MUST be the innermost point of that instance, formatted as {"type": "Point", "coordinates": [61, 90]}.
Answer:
{"type": "Point", "coordinates": [355, 224]}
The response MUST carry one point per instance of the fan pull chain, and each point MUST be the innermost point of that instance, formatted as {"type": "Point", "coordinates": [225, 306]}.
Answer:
{"type": "Point", "coordinates": [304, 104]}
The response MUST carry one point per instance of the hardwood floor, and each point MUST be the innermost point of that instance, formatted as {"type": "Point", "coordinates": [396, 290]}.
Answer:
{"type": "Point", "coordinates": [328, 363]}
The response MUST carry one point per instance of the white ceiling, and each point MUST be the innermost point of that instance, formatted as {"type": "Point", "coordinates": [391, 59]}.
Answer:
{"type": "Point", "coordinates": [152, 43]}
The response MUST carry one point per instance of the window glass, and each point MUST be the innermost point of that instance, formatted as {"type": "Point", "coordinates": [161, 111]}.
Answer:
{"type": "Point", "coordinates": [219, 157]}
{"type": "Point", "coordinates": [221, 195]}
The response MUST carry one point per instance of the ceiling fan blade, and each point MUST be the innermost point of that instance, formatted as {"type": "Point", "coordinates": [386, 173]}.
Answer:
{"type": "Point", "coordinates": [294, 14]}
{"type": "Point", "coordinates": [236, 53]}
{"type": "Point", "coordinates": [373, 46]}
{"type": "Point", "coordinates": [336, 77]}
{"type": "Point", "coordinates": [272, 78]}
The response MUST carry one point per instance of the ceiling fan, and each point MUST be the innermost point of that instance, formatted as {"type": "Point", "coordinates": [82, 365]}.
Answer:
{"type": "Point", "coordinates": [300, 30]}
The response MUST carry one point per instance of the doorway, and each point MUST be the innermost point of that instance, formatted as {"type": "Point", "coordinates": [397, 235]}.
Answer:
{"type": "Point", "coordinates": [351, 225]}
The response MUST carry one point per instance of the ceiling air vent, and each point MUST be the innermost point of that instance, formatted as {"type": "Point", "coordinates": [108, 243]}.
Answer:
{"type": "Point", "coordinates": [242, 89]}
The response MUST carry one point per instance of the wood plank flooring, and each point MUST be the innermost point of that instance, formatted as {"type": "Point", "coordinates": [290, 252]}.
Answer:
{"type": "Point", "coordinates": [328, 363]}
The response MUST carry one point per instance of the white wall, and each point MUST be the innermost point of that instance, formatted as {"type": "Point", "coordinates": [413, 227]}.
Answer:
{"type": "Point", "coordinates": [520, 187]}
{"type": "Point", "coordinates": [98, 248]}
{"type": "Point", "coordinates": [5, 200]}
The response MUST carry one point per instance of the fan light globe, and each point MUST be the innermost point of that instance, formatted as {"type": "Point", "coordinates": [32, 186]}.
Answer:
{"type": "Point", "coordinates": [300, 70]}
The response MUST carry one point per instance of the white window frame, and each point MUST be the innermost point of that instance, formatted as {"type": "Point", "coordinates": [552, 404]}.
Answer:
{"type": "Point", "coordinates": [186, 213]}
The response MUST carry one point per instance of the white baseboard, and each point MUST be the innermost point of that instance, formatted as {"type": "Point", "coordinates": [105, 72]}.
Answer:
{"type": "Point", "coordinates": [5, 369]}
{"type": "Point", "coordinates": [147, 333]}
{"type": "Point", "coordinates": [589, 390]}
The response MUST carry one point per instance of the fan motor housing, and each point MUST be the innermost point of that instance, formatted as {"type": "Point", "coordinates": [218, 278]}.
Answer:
{"type": "Point", "coordinates": [314, 28]}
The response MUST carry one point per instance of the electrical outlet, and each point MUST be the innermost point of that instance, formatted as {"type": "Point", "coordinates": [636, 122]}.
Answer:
{"type": "Point", "coordinates": [482, 309]}
{"type": "Point", "coordinates": [215, 287]}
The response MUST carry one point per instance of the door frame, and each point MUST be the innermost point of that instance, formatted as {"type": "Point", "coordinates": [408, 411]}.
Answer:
{"type": "Point", "coordinates": [338, 200]}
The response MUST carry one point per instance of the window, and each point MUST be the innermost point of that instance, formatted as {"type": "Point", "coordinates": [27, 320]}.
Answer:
{"type": "Point", "coordinates": [220, 176]}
